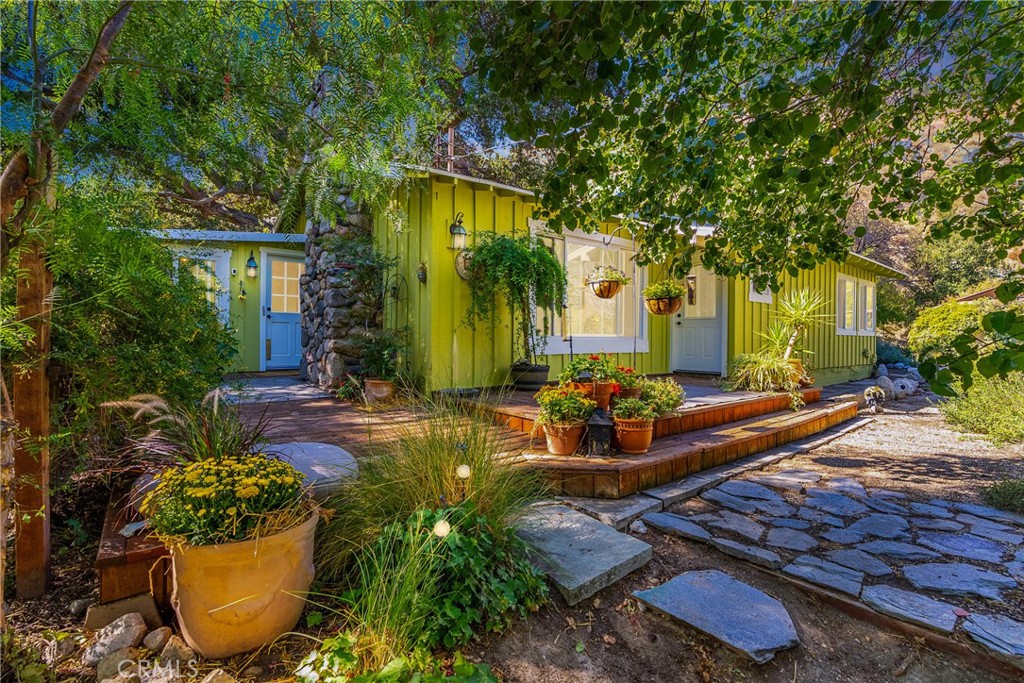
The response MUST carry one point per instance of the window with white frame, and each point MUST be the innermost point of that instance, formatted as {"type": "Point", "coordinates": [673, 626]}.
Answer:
{"type": "Point", "coordinates": [595, 324]}
{"type": "Point", "coordinates": [855, 306]}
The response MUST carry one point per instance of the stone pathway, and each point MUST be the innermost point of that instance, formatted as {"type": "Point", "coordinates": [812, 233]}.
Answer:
{"type": "Point", "coordinates": [949, 566]}
{"type": "Point", "coordinates": [270, 390]}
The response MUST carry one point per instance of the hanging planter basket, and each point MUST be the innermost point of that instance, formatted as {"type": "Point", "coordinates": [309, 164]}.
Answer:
{"type": "Point", "coordinates": [606, 289]}
{"type": "Point", "coordinates": [606, 281]}
{"type": "Point", "coordinates": [664, 306]}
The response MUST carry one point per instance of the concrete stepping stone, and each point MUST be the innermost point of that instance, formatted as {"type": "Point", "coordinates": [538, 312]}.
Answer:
{"type": "Point", "coordinates": [842, 536]}
{"type": "Point", "coordinates": [325, 465]}
{"type": "Point", "coordinates": [730, 521]}
{"type": "Point", "coordinates": [730, 501]}
{"type": "Point", "coordinates": [579, 553]}
{"type": "Point", "coordinates": [749, 489]}
{"type": "Point", "coordinates": [882, 526]}
{"type": "Point", "coordinates": [616, 513]}
{"type": "Point", "coordinates": [791, 539]}
{"type": "Point", "coordinates": [936, 524]}
{"type": "Point", "coordinates": [750, 553]}
{"type": "Point", "coordinates": [884, 506]}
{"type": "Point", "coordinates": [847, 485]}
{"type": "Point", "coordinates": [958, 578]}
{"type": "Point", "coordinates": [828, 574]}
{"type": "Point", "coordinates": [676, 525]}
{"type": "Point", "coordinates": [1000, 634]}
{"type": "Point", "coordinates": [791, 480]}
{"type": "Point", "coordinates": [860, 561]}
{"type": "Point", "coordinates": [990, 513]}
{"type": "Point", "coordinates": [962, 545]}
{"type": "Point", "coordinates": [929, 510]}
{"type": "Point", "coordinates": [819, 517]}
{"type": "Point", "coordinates": [897, 550]}
{"type": "Point", "coordinates": [787, 522]}
{"type": "Point", "coordinates": [834, 503]}
{"type": "Point", "coordinates": [911, 607]}
{"type": "Point", "coordinates": [734, 613]}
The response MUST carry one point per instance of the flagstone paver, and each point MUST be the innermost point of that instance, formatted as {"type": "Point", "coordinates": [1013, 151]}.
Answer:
{"type": "Point", "coordinates": [729, 501]}
{"type": "Point", "coordinates": [883, 526]}
{"type": "Point", "coordinates": [860, 561]}
{"type": "Point", "coordinates": [884, 506]}
{"type": "Point", "coordinates": [936, 524]}
{"type": "Point", "coordinates": [997, 535]}
{"type": "Point", "coordinates": [793, 480]}
{"type": "Point", "coordinates": [730, 521]}
{"type": "Point", "coordinates": [898, 550]}
{"type": "Point", "coordinates": [842, 536]}
{"type": "Point", "coordinates": [740, 616]}
{"type": "Point", "coordinates": [615, 512]}
{"type": "Point", "coordinates": [826, 573]}
{"type": "Point", "coordinates": [990, 513]}
{"type": "Point", "coordinates": [750, 553]}
{"type": "Point", "coordinates": [790, 538]}
{"type": "Point", "coordinates": [820, 517]}
{"type": "Point", "coordinates": [931, 510]}
{"type": "Point", "coordinates": [787, 522]}
{"type": "Point", "coordinates": [909, 606]}
{"type": "Point", "coordinates": [847, 485]}
{"type": "Point", "coordinates": [958, 578]}
{"type": "Point", "coordinates": [999, 633]}
{"type": "Point", "coordinates": [674, 524]}
{"type": "Point", "coordinates": [749, 489]}
{"type": "Point", "coordinates": [834, 503]}
{"type": "Point", "coordinates": [965, 546]}
{"type": "Point", "coordinates": [974, 520]}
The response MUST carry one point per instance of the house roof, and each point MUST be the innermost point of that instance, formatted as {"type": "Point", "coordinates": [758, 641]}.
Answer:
{"type": "Point", "coordinates": [875, 267]}
{"type": "Point", "coordinates": [183, 235]}
{"type": "Point", "coordinates": [476, 183]}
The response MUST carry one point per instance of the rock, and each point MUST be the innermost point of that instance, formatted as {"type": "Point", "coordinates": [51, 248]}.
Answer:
{"type": "Point", "coordinates": [847, 485]}
{"type": "Point", "coordinates": [637, 527]}
{"type": "Point", "coordinates": [859, 561]}
{"type": "Point", "coordinates": [991, 513]}
{"type": "Point", "coordinates": [904, 387]}
{"type": "Point", "coordinates": [997, 535]}
{"type": "Point", "coordinates": [819, 517]}
{"type": "Point", "coordinates": [936, 524]}
{"type": "Point", "coordinates": [882, 526]}
{"type": "Point", "coordinates": [786, 522]}
{"type": "Point", "coordinates": [842, 536]}
{"type": "Point", "coordinates": [125, 631]}
{"type": "Point", "coordinates": [750, 553]}
{"type": "Point", "coordinates": [740, 616]}
{"type": "Point", "coordinates": [579, 553]}
{"type": "Point", "coordinates": [886, 385]}
{"type": "Point", "coordinates": [791, 539]}
{"type": "Point", "coordinates": [749, 489]}
{"type": "Point", "coordinates": [127, 676]}
{"type": "Point", "coordinates": [897, 550]}
{"type": "Point", "coordinates": [157, 639]}
{"type": "Point", "coordinates": [881, 370]}
{"type": "Point", "coordinates": [885, 506]}
{"type": "Point", "coordinates": [962, 545]}
{"type": "Point", "coordinates": [176, 652]}
{"type": "Point", "coordinates": [143, 604]}
{"type": "Point", "coordinates": [253, 672]}
{"type": "Point", "coordinates": [958, 579]}
{"type": "Point", "coordinates": [676, 525]}
{"type": "Point", "coordinates": [79, 607]}
{"type": "Point", "coordinates": [616, 513]}
{"type": "Point", "coordinates": [931, 510]}
{"type": "Point", "coordinates": [729, 501]}
{"type": "Point", "coordinates": [911, 607]}
{"type": "Point", "coordinates": [56, 649]}
{"type": "Point", "coordinates": [737, 524]}
{"type": "Point", "coordinates": [110, 665]}
{"type": "Point", "coordinates": [1000, 634]}
{"type": "Point", "coordinates": [834, 503]}
{"type": "Point", "coordinates": [218, 676]}
{"type": "Point", "coordinates": [828, 574]}
{"type": "Point", "coordinates": [792, 480]}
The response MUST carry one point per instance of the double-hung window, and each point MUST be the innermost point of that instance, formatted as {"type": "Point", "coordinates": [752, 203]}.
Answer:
{"type": "Point", "coordinates": [855, 306]}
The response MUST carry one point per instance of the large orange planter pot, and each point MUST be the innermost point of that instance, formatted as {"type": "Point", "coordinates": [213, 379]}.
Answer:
{"type": "Point", "coordinates": [600, 392]}
{"type": "Point", "coordinates": [237, 597]}
{"type": "Point", "coordinates": [378, 390]}
{"type": "Point", "coordinates": [564, 439]}
{"type": "Point", "coordinates": [634, 436]}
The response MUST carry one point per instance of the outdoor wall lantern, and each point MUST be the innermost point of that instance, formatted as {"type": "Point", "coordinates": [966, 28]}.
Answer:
{"type": "Point", "coordinates": [251, 266]}
{"type": "Point", "coordinates": [458, 233]}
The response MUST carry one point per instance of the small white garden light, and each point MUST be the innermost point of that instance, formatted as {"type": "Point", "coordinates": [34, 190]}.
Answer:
{"type": "Point", "coordinates": [463, 472]}
{"type": "Point", "coordinates": [442, 528]}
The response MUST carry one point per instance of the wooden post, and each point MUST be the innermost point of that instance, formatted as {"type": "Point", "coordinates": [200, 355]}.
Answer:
{"type": "Point", "coordinates": [32, 416]}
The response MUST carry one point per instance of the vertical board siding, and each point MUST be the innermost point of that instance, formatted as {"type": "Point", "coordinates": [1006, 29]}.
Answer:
{"type": "Point", "coordinates": [834, 357]}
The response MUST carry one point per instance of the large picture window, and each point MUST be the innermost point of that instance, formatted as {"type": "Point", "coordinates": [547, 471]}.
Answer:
{"type": "Point", "coordinates": [595, 324]}
{"type": "Point", "coordinates": [855, 306]}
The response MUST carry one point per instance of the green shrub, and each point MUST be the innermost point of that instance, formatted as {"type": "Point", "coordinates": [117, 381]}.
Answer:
{"type": "Point", "coordinates": [1006, 495]}
{"type": "Point", "coordinates": [663, 395]}
{"type": "Point", "coordinates": [763, 372]}
{"type": "Point", "coordinates": [664, 289]}
{"type": "Point", "coordinates": [634, 409]}
{"type": "Point", "coordinates": [563, 406]}
{"type": "Point", "coordinates": [937, 327]}
{"type": "Point", "coordinates": [891, 353]}
{"type": "Point", "coordinates": [993, 407]}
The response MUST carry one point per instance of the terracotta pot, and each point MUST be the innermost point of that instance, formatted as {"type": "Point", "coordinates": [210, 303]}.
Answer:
{"type": "Point", "coordinates": [630, 392]}
{"type": "Point", "coordinates": [378, 390]}
{"type": "Point", "coordinates": [564, 439]}
{"type": "Point", "coordinates": [603, 394]}
{"type": "Point", "coordinates": [606, 289]}
{"type": "Point", "coordinates": [664, 306]}
{"type": "Point", "coordinates": [587, 388]}
{"type": "Point", "coordinates": [634, 436]}
{"type": "Point", "coordinates": [237, 597]}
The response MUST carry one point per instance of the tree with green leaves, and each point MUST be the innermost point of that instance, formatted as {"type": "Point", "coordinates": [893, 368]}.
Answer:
{"type": "Point", "coordinates": [769, 120]}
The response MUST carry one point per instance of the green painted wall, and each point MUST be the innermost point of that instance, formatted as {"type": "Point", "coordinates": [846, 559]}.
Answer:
{"type": "Point", "coordinates": [444, 351]}
{"type": "Point", "coordinates": [836, 358]}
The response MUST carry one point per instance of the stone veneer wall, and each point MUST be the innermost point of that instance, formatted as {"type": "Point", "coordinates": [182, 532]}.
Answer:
{"type": "Point", "coordinates": [334, 311]}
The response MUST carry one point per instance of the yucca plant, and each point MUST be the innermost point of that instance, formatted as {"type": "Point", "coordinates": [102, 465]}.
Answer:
{"type": "Point", "coordinates": [763, 372]}
{"type": "Point", "coordinates": [798, 311]}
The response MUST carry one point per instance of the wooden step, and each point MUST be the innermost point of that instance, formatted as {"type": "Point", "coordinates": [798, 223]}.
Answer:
{"type": "Point", "coordinates": [676, 456]}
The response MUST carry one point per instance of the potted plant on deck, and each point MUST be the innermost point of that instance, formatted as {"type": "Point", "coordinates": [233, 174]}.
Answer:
{"type": "Point", "coordinates": [239, 526]}
{"type": "Point", "coordinates": [664, 297]}
{"type": "Point", "coordinates": [564, 412]}
{"type": "Point", "coordinates": [594, 375]}
{"type": "Point", "coordinates": [663, 395]}
{"type": "Point", "coordinates": [380, 351]}
{"type": "Point", "coordinates": [527, 275]}
{"type": "Point", "coordinates": [634, 425]}
{"type": "Point", "coordinates": [606, 281]}
{"type": "Point", "coordinates": [630, 382]}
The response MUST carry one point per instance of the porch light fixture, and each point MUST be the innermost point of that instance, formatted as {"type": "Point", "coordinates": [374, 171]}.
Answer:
{"type": "Point", "coordinates": [251, 266]}
{"type": "Point", "coordinates": [458, 233]}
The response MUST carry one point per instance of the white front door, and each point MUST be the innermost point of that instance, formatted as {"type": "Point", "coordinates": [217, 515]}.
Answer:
{"type": "Point", "coordinates": [281, 308]}
{"type": "Point", "coordinates": [697, 326]}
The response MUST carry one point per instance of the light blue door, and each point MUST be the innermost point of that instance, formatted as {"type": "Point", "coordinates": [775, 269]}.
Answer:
{"type": "Point", "coordinates": [283, 327]}
{"type": "Point", "coordinates": [697, 326]}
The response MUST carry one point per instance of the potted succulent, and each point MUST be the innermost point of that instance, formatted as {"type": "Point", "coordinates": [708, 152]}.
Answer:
{"type": "Point", "coordinates": [606, 281]}
{"type": "Point", "coordinates": [380, 351]}
{"type": "Point", "coordinates": [564, 412]}
{"type": "Point", "coordinates": [634, 425]}
{"type": "Point", "coordinates": [595, 375]}
{"type": "Point", "coordinates": [663, 395]}
{"type": "Point", "coordinates": [630, 382]}
{"type": "Point", "coordinates": [238, 523]}
{"type": "Point", "coordinates": [529, 277]}
{"type": "Point", "coordinates": [664, 297]}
